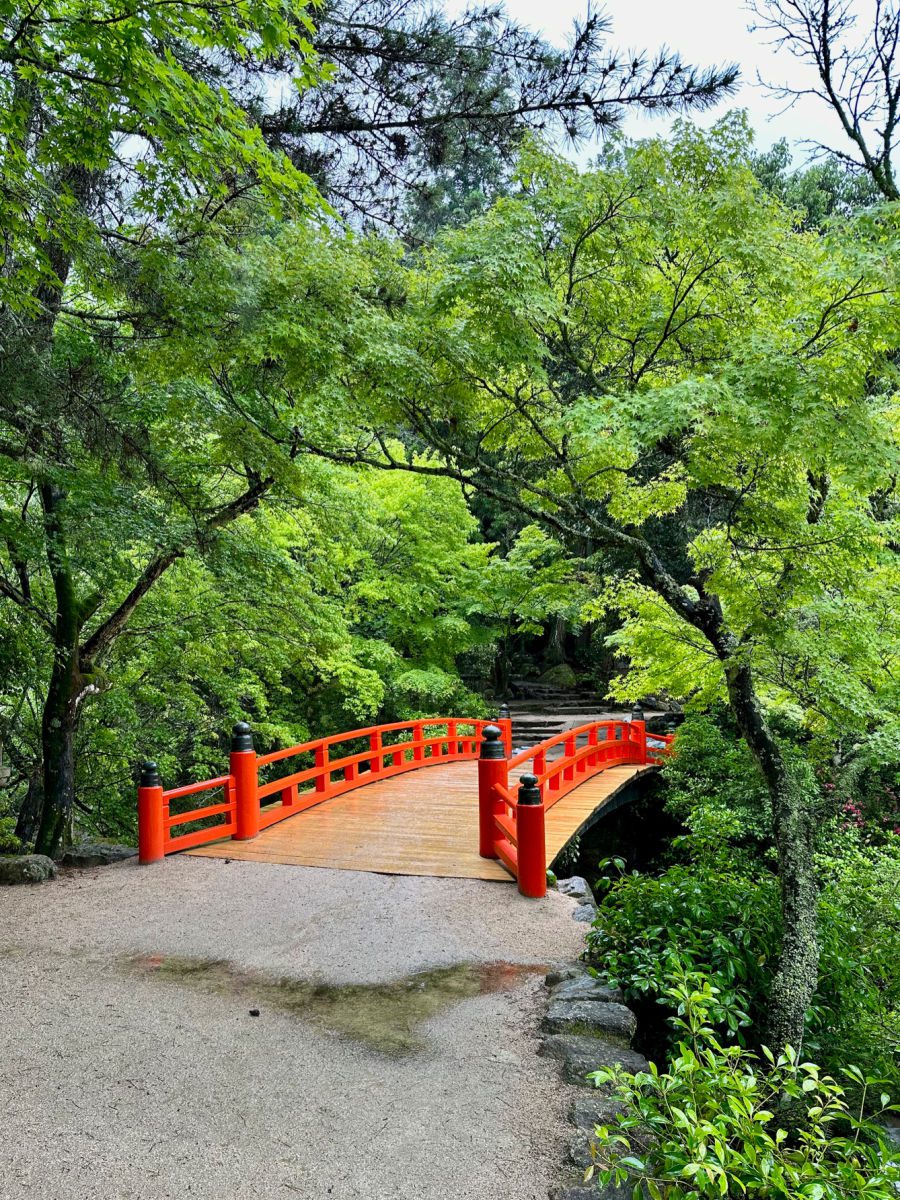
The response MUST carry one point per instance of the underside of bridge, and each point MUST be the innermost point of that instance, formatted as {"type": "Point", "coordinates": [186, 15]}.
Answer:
{"type": "Point", "coordinates": [421, 823]}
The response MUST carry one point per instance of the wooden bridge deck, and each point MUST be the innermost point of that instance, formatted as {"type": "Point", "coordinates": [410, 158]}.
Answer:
{"type": "Point", "coordinates": [422, 823]}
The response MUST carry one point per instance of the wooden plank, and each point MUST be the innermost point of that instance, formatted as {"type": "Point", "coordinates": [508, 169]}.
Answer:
{"type": "Point", "coordinates": [419, 823]}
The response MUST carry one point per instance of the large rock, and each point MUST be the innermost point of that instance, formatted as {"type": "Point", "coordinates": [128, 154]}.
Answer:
{"type": "Point", "coordinates": [26, 868]}
{"type": "Point", "coordinates": [96, 854]}
{"type": "Point", "coordinates": [594, 1108]}
{"type": "Point", "coordinates": [585, 913]}
{"type": "Point", "coordinates": [576, 887]}
{"type": "Point", "coordinates": [565, 971]}
{"type": "Point", "coordinates": [613, 1022]}
{"type": "Point", "coordinates": [586, 987]}
{"type": "Point", "coordinates": [580, 1054]}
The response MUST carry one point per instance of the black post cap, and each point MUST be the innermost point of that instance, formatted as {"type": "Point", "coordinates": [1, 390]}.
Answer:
{"type": "Point", "coordinates": [529, 791]}
{"type": "Point", "coordinates": [150, 775]}
{"type": "Point", "coordinates": [637, 713]}
{"type": "Point", "coordinates": [491, 745]}
{"type": "Point", "coordinates": [503, 712]}
{"type": "Point", "coordinates": [242, 737]}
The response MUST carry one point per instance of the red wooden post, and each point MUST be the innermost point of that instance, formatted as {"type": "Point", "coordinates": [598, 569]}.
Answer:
{"type": "Point", "coordinates": [323, 779]}
{"type": "Point", "coordinates": [492, 769]}
{"type": "Point", "coordinates": [569, 750]}
{"type": "Point", "coordinates": [246, 783]}
{"type": "Point", "coordinates": [375, 763]}
{"type": "Point", "coordinates": [530, 838]}
{"type": "Point", "coordinates": [638, 733]}
{"type": "Point", "coordinates": [452, 742]}
{"type": "Point", "coordinates": [418, 742]}
{"type": "Point", "coordinates": [639, 738]}
{"type": "Point", "coordinates": [152, 810]}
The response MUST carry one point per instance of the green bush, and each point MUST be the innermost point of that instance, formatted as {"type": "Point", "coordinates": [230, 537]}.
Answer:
{"type": "Point", "coordinates": [723, 925]}
{"type": "Point", "coordinates": [726, 927]}
{"type": "Point", "coordinates": [722, 1121]}
{"type": "Point", "coordinates": [714, 788]}
{"type": "Point", "coordinates": [856, 1015]}
{"type": "Point", "coordinates": [9, 843]}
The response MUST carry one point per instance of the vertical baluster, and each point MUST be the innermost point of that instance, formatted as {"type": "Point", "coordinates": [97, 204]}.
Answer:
{"type": "Point", "coordinates": [323, 776]}
{"type": "Point", "coordinates": [375, 762]}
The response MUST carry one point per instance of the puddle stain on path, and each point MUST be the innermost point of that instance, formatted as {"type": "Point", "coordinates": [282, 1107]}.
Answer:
{"type": "Point", "coordinates": [383, 1016]}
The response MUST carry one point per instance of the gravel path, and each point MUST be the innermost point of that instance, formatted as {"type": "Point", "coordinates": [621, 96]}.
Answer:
{"type": "Point", "coordinates": [122, 1080]}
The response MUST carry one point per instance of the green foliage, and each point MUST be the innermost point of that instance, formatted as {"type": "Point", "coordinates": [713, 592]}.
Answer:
{"type": "Point", "coordinates": [9, 843]}
{"type": "Point", "coordinates": [141, 100]}
{"type": "Point", "coordinates": [725, 926]}
{"type": "Point", "coordinates": [720, 925]}
{"type": "Point", "coordinates": [722, 1121]}
{"type": "Point", "coordinates": [713, 786]}
{"type": "Point", "coordinates": [818, 192]}
{"type": "Point", "coordinates": [856, 1015]}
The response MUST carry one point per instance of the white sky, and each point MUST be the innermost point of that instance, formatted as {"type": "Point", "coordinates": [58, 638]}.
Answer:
{"type": "Point", "coordinates": [704, 32]}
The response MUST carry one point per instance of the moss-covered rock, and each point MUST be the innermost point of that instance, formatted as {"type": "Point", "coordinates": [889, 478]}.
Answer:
{"type": "Point", "coordinates": [26, 868]}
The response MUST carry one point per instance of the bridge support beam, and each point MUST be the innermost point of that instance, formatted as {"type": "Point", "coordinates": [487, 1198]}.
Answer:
{"type": "Point", "coordinates": [492, 770]}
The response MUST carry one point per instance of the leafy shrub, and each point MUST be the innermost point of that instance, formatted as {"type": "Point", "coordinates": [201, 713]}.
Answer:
{"type": "Point", "coordinates": [856, 1015]}
{"type": "Point", "coordinates": [726, 927]}
{"type": "Point", "coordinates": [9, 843]}
{"type": "Point", "coordinates": [722, 1121]}
{"type": "Point", "coordinates": [714, 788]}
{"type": "Point", "coordinates": [723, 925]}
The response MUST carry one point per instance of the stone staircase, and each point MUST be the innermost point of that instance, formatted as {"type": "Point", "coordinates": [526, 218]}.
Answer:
{"type": "Point", "coordinates": [540, 711]}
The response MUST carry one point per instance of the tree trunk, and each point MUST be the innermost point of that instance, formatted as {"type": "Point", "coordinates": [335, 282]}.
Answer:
{"type": "Point", "coordinates": [31, 808]}
{"type": "Point", "coordinates": [796, 976]}
{"type": "Point", "coordinates": [59, 718]}
{"type": "Point", "coordinates": [58, 726]}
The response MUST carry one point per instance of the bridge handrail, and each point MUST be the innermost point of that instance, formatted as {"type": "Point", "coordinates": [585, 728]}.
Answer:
{"type": "Point", "coordinates": [501, 812]}
{"type": "Point", "coordinates": [333, 739]}
{"type": "Point", "coordinates": [249, 804]}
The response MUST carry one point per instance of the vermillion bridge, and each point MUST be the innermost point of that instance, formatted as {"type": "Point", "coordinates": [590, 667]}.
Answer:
{"type": "Point", "coordinates": [443, 796]}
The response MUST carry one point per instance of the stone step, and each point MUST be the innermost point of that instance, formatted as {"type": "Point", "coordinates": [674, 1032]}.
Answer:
{"type": "Point", "coordinates": [587, 988]}
{"type": "Point", "coordinates": [580, 1054]}
{"type": "Point", "coordinates": [613, 1022]}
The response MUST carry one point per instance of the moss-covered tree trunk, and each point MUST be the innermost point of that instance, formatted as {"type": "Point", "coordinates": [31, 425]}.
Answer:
{"type": "Point", "coordinates": [796, 976]}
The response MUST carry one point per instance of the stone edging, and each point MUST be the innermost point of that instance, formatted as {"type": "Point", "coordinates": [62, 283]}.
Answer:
{"type": "Point", "coordinates": [587, 1026]}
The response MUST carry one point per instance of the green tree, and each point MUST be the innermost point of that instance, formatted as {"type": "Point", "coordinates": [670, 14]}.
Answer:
{"type": "Point", "coordinates": [424, 112]}
{"type": "Point", "coordinates": [517, 592]}
{"type": "Point", "coordinates": [817, 191]}
{"type": "Point", "coordinates": [651, 356]}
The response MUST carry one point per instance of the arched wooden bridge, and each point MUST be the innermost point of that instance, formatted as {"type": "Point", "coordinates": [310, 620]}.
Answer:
{"type": "Point", "coordinates": [442, 796]}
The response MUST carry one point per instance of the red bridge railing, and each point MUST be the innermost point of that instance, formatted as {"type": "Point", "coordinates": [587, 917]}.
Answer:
{"type": "Point", "coordinates": [245, 803]}
{"type": "Point", "coordinates": [511, 826]}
